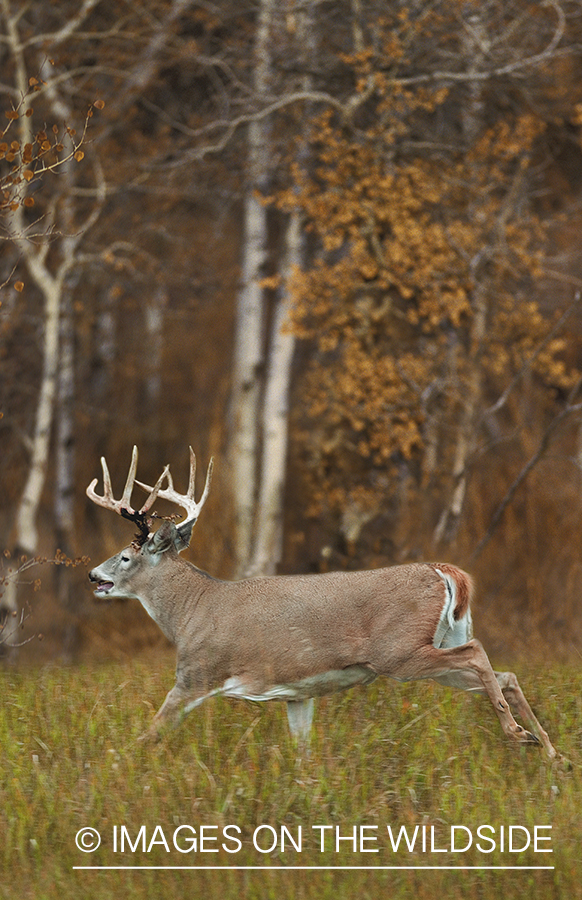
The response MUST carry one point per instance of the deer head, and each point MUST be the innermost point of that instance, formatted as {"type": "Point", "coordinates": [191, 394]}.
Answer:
{"type": "Point", "coordinates": [126, 574]}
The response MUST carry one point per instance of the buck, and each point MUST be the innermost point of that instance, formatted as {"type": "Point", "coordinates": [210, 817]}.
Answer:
{"type": "Point", "coordinates": [296, 637]}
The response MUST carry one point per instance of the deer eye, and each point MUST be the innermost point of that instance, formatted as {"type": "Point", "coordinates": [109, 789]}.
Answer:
{"type": "Point", "coordinates": [125, 559]}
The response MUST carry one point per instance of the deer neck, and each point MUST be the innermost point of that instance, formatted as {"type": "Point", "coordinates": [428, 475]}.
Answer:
{"type": "Point", "coordinates": [173, 595]}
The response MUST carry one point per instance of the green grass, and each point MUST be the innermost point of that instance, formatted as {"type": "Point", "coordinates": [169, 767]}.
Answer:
{"type": "Point", "coordinates": [389, 755]}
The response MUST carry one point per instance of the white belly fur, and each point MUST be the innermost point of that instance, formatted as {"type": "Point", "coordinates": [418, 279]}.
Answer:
{"type": "Point", "coordinates": [314, 686]}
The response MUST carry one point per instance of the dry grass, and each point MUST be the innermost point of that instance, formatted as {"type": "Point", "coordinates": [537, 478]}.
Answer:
{"type": "Point", "coordinates": [399, 756]}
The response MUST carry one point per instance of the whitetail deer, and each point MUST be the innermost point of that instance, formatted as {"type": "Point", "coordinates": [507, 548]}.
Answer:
{"type": "Point", "coordinates": [296, 637]}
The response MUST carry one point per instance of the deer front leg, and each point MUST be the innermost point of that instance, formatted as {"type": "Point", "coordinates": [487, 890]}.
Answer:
{"type": "Point", "coordinates": [300, 717]}
{"type": "Point", "coordinates": [178, 703]}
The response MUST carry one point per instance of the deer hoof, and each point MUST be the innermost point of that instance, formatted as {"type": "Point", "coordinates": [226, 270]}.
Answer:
{"type": "Point", "coordinates": [525, 737]}
{"type": "Point", "coordinates": [151, 736]}
{"type": "Point", "coordinates": [561, 762]}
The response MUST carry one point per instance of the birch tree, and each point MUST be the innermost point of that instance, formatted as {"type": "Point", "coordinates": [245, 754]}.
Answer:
{"type": "Point", "coordinates": [475, 42]}
{"type": "Point", "coordinates": [249, 349]}
{"type": "Point", "coordinates": [48, 275]}
{"type": "Point", "coordinates": [51, 252]}
{"type": "Point", "coordinates": [264, 340]}
{"type": "Point", "coordinates": [267, 546]}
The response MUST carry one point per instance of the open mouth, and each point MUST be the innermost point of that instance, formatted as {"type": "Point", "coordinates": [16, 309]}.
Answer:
{"type": "Point", "coordinates": [103, 588]}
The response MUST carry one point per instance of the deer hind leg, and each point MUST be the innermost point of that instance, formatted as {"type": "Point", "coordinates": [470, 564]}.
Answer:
{"type": "Point", "coordinates": [467, 666]}
{"type": "Point", "coordinates": [470, 681]}
{"type": "Point", "coordinates": [515, 696]}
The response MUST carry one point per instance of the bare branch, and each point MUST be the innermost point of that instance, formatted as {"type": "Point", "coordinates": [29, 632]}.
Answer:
{"type": "Point", "coordinates": [233, 125]}
{"type": "Point", "coordinates": [536, 59]}
{"type": "Point", "coordinates": [569, 410]}
{"type": "Point", "coordinates": [73, 23]}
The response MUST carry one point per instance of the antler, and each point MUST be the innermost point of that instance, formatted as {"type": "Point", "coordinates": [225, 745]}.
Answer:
{"type": "Point", "coordinates": [123, 507]}
{"type": "Point", "coordinates": [186, 501]}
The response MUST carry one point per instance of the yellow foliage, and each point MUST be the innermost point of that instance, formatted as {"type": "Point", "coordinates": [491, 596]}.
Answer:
{"type": "Point", "coordinates": [421, 274]}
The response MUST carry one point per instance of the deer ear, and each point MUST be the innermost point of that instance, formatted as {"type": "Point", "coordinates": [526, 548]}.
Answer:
{"type": "Point", "coordinates": [183, 535]}
{"type": "Point", "coordinates": [170, 535]}
{"type": "Point", "coordinates": [163, 540]}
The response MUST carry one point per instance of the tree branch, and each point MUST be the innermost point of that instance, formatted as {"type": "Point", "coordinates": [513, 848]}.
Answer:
{"type": "Point", "coordinates": [500, 403]}
{"type": "Point", "coordinates": [569, 410]}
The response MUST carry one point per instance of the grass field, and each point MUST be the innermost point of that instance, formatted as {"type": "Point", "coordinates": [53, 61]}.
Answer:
{"type": "Point", "coordinates": [389, 756]}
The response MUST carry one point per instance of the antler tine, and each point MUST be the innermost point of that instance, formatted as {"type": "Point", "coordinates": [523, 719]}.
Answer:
{"type": "Point", "coordinates": [208, 481]}
{"type": "Point", "coordinates": [192, 478]}
{"type": "Point", "coordinates": [107, 490]}
{"type": "Point", "coordinates": [125, 502]}
{"type": "Point", "coordinates": [123, 507]}
{"type": "Point", "coordinates": [170, 481]}
{"type": "Point", "coordinates": [156, 489]}
{"type": "Point", "coordinates": [186, 501]}
{"type": "Point", "coordinates": [107, 499]}
{"type": "Point", "coordinates": [92, 494]}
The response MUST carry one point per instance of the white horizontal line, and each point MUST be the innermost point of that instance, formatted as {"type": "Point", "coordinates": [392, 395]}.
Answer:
{"type": "Point", "coordinates": [315, 868]}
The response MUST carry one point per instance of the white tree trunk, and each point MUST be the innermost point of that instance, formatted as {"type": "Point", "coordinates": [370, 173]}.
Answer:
{"type": "Point", "coordinates": [65, 454]}
{"type": "Point", "coordinates": [263, 362]}
{"type": "Point", "coordinates": [26, 533]}
{"type": "Point", "coordinates": [51, 287]}
{"type": "Point", "coordinates": [447, 527]}
{"type": "Point", "coordinates": [250, 315]}
{"type": "Point", "coordinates": [154, 322]}
{"type": "Point", "coordinates": [64, 497]}
{"type": "Point", "coordinates": [26, 529]}
{"type": "Point", "coordinates": [105, 343]}
{"type": "Point", "coordinates": [268, 543]}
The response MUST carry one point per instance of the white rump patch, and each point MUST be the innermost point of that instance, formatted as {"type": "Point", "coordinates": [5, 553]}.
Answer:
{"type": "Point", "coordinates": [451, 632]}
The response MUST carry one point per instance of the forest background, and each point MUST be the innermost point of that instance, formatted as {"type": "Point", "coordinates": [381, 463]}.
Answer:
{"type": "Point", "coordinates": [333, 244]}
